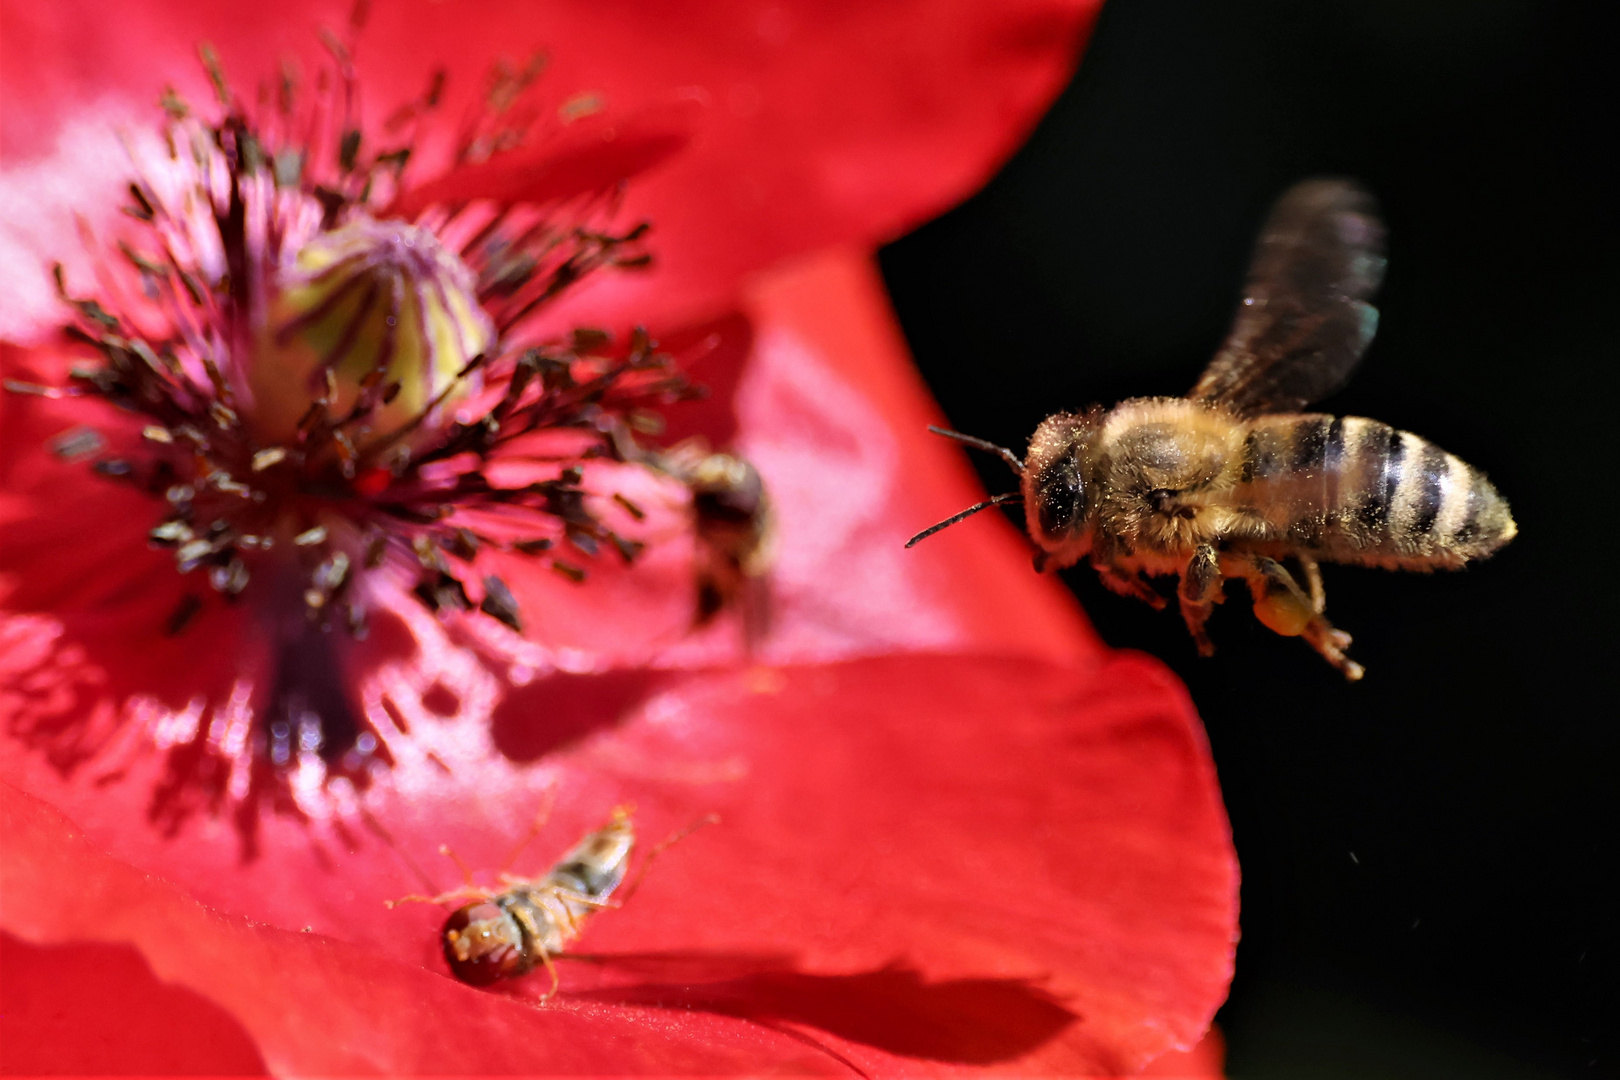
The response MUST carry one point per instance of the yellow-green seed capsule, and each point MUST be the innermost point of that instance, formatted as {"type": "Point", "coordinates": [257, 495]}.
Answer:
{"type": "Point", "coordinates": [356, 311]}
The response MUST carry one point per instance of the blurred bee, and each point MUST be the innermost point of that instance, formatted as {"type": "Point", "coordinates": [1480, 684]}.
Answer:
{"type": "Point", "coordinates": [507, 933]}
{"type": "Point", "coordinates": [1231, 479]}
{"type": "Point", "coordinates": [734, 527]}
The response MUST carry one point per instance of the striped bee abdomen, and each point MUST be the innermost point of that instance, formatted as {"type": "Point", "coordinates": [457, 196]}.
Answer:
{"type": "Point", "coordinates": [1352, 490]}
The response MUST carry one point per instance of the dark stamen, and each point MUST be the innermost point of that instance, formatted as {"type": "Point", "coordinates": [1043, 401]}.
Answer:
{"type": "Point", "coordinates": [499, 603]}
{"type": "Point", "coordinates": [183, 612]}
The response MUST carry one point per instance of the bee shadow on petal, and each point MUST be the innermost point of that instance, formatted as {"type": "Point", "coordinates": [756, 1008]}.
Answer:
{"type": "Point", "coordinates": [894, 1008]}
{"type": "Point", "coordinates": [561, 708]}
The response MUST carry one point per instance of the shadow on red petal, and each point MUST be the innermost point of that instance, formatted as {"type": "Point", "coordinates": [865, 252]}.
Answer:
{"type": "Point", "coordinates": [84, 1008]}
{"type": "Point", "coordinates": [972, 1021]}
{"type": "Point", "coordinates": [562, 708]}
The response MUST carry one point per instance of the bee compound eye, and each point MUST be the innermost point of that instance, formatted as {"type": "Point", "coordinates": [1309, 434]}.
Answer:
{"type": "Point", "coordinates": [727, 505]}
{"type": "Point", "coordinates": [1060, 492]}
{"type": "Point", "coordinates": [483, 943]}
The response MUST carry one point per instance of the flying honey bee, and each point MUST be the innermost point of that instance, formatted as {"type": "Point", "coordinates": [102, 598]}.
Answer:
{"type": "Point", "coordinates": [734, 527]}
{"type": "Point", "coordinates": [1233, 478]}
{"type": "Point", "coordinates": [507, 933]}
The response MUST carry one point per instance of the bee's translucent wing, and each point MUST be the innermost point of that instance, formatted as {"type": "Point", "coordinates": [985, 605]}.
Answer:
{"type": "Point", "coordinates": [1305, 319]}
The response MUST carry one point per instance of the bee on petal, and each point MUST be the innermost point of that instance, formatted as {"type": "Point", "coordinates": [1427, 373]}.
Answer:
{"type": "Point", "coordinates": [1234, 478]}
{"type": "Point", "coordinates": [507, 933]}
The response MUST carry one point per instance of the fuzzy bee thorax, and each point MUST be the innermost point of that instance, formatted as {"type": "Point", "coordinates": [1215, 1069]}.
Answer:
{"type": "Point", "coordinates": [1171, 445]}
{"type": "Point", "coordinates": [1163, 468]}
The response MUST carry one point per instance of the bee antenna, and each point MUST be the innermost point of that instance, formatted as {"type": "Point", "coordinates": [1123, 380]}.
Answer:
{"type": "Point", "coordinates": [1012, 496]}
{"type": "Point", "coordinates": [981, 444]}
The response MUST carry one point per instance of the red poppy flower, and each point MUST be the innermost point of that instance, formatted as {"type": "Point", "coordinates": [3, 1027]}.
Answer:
{"type": "Point", "coordinates": [955, 831]}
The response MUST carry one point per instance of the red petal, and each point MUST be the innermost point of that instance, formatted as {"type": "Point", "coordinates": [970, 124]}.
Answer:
{"type": "Point", "coordinates": [56, 1001]}
{"type": "Point", "coordinates": [825, 124]}
{"type": "Point", "coordinates": [1006, 825]}
{"type": "Point", "coordinates": [905, 843]}
{"type": "Point", "coordinates": [317, 1005]}
{"type": "Point", "coordinates": [589, 156]}
{"type": "Point", "coordinates": [1207, 1059]}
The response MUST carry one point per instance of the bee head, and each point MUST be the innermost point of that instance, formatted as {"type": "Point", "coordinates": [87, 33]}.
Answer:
{"type": "Point", "coordinates": [1054, 483]}
{"type": "Point", "coordinates": [483, 943]}
{"type": "Point", "coordinates": [729, 501]}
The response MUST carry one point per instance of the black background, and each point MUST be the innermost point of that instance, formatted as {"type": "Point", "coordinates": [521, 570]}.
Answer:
{"type": "Point", "coordinates": [1423, 853]}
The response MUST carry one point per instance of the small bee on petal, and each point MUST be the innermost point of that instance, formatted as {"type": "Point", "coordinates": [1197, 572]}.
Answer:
{"type": "Point", "coordinates": [507, 933]}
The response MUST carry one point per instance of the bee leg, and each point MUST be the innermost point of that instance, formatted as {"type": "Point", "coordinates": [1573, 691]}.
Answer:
{"type": "Point", "coordinates": [658, 849]}
{"type": "Point", "coordinates": [711, 598]}
{"type": "Point", "coordinates": [1129, 584]}
{"type": "Point", "coordinates": [1200, 587]}
{"type": "Point", "coordinates": [1313, 583]}
{"type": "Point", "coordinates": [541, 816]}
{"type": "Point", "coordinates": [466, 892]}
{"type": "Point", "coordinates": [1282, 605]}
{"type": "Point", "coordinates": [551, 969]}
{"type": "Point", "coordinates": [581, 898]}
